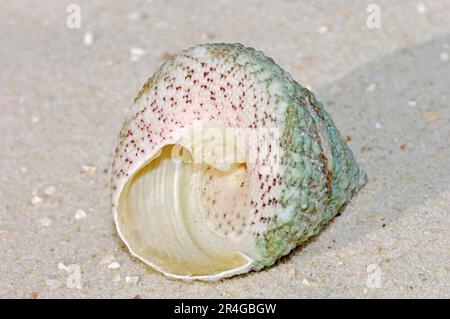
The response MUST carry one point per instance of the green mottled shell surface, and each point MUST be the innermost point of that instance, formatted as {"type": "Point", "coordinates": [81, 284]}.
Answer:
{"type": "Point", "coordinates": [206, 220]}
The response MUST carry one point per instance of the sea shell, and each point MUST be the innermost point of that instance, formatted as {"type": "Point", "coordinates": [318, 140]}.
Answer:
{"type": "Point", "coordinates": [225, 164]}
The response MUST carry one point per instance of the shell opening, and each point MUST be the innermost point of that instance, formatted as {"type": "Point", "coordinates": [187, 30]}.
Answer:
{"type": "Point", "coordinates": [188, 219]}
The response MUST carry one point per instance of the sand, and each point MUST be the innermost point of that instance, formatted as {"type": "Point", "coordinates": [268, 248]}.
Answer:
{"type": "Point", "coordinates": [64, 93]}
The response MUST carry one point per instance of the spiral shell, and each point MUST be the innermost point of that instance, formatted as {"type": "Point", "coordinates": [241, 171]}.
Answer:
{"type": "Point", "coordinates": [225, 164]}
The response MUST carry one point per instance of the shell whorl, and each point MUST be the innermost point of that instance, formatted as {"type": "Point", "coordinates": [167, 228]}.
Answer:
{"type": "Point", "coordinates": [239, 87]}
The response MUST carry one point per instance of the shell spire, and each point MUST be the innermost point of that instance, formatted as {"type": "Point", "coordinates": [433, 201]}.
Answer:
{"type": "Point", "coordinates": [225, 164]}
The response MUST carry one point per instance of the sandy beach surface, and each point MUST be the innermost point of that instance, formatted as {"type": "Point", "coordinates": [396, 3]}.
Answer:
{"type": "Point", "coordinates": [64, 93]}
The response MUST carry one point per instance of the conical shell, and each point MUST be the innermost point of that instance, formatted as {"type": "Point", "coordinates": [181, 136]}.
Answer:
{"type": "Point", "coordinates": [225, 164]}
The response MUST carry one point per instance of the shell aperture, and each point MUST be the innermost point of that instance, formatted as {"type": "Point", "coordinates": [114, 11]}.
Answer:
{"type": "Point", "coordinates": [224, 164]}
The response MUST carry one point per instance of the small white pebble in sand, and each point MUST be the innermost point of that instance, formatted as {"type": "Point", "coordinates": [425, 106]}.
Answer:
{"type": "Point", "coordinates": [88, 38]}
{"type": "Point", "coordinates": [306, 282]}
{"type": "Point", "coordinates": [412, 103]}
{"type": "Point", "coordinates": [46, 222]}
{"type": "Point", "coordinates": [371, 87]}
{"type": "Point", "coordinates": [34, 119]}
{"type": "Point", "coordinates": [378, 125]}
{"type": "Point", "coordinates": [88, 169]}
{"type": "Point", "coordinates": [24, 170]}
{"type": "Point", "coordinates": [351, 252]}
{"type": "Point", "coordinates": [107, 259]}
{"type": "Point", "coordinates": [421, 8]}
{"type": "Point", "coordinates": [114, 265]}
{"type": "Point", "coordinates": [133, 16]}
{"type": "Point", "coordinates": [117, 277]}
{"type": "Point", "coordinates": [323, 29]}
{"type": "Point", "coordinates": [49, 190]}
{"type": "Point", "coordinates": [36, 200]}
{"type": "Point", "coordinates": [291, 273]}
{"type": "Point", "coordinates": [73, 280]}
{"type": "Point", "coordinates": [136, 53]}
{"type": "Point", "coordinates": [444, 56]}
{"type": "Point", "coordinates": [132, 280]}
{"type": "Point", "coordinates": [80, 214]}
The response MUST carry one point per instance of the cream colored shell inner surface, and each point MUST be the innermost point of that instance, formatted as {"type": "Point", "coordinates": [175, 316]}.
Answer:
{"type": "Point", "coordinates": [187, 218]}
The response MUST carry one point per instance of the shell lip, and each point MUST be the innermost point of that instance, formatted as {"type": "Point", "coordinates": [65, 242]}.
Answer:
{"type": "Point", "coordinates": [228, 273]}
{"type": "Point", "coordinates": [115, 201]}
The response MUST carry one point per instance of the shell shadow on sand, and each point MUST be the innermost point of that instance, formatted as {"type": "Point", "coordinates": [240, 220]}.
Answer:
{"type": "Point", "coordinates": [395, 114]}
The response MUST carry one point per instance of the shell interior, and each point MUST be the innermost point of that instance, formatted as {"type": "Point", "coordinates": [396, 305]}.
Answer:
{"type": "Point", "coordinates": [244, 204]}
{"type": "Point", "coordinates": [187, 218]}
